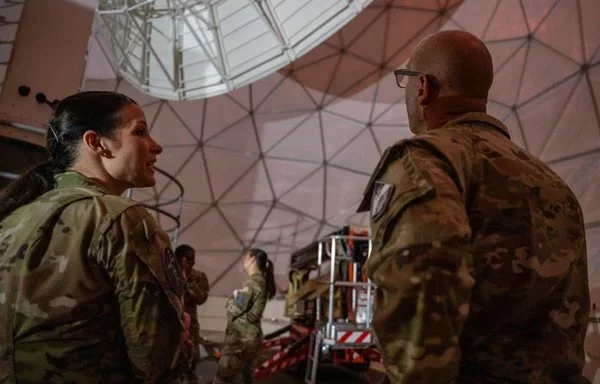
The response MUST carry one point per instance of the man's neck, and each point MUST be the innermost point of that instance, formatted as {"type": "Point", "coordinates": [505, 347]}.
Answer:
{"type": "Point", "coordinates": [448, 108]}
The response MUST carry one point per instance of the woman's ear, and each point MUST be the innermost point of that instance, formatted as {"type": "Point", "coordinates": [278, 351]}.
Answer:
{"type": "Point", "coordinates": [92, 142]}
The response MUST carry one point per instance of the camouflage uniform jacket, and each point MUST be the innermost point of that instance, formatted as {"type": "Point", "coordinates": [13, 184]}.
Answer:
{"type": "Point", "coordinates": [89, 291]}
{"type": "Point", "coordinates": [244, 314]}
{"type": "Point", "coordinates": [480, 259]}
{"type": "Point", "coordinates": [196, 293]}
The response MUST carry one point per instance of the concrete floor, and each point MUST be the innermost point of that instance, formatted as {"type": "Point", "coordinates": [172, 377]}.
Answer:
{"type": "Point", "coordinates": [327, 374]}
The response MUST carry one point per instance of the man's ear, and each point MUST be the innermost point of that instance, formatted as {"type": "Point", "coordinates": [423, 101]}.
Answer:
{"type": "Point", "coordinates": [427, 91]}
{"type": "Point", "coordinates": [93, 143]}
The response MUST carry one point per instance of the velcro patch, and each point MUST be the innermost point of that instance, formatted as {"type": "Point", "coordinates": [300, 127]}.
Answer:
{"type": "Point", "coordinates": [382, 193]}
{"type": "Point", "coordinates": [241, 299]}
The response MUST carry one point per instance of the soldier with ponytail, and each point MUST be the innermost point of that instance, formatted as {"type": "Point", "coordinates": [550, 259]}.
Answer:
{"type": "Point", "coordinates": [245, 309]}
{"type": "Point", "coordinates": [89, 286]}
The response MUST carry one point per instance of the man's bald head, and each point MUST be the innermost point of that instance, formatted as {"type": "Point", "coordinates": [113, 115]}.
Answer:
{"type": "Point", "coordinates": [458, 60]}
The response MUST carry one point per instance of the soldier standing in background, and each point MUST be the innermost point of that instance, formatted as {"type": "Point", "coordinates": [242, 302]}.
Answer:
{"type": "Point", "coordinates": [479, 250]}
{"type": "Point", "coordinates": [85, 273]}
{"type": "Point", "coordinates": [196, 293]}
{"type": "Point", "coordinates": [243, 335]}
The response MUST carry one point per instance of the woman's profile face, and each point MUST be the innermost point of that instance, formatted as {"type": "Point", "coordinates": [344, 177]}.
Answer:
{"type": "Point", "coordinates": [133, 151]}
{"type": "Point", "coordinates": [248, 261]}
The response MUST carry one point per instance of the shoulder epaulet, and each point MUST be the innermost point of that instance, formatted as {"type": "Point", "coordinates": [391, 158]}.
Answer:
{"type": "Point", "coordinates": [59, 200]}
{"type": "Point", "coordinates": [115, 206]}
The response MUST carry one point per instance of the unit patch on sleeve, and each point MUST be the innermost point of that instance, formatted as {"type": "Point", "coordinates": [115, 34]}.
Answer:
{"type": "Point", "coordinates": [382, 193]}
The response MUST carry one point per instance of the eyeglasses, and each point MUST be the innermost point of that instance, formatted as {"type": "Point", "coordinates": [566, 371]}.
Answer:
{"type": "Point", "coordinates": [402, 76]}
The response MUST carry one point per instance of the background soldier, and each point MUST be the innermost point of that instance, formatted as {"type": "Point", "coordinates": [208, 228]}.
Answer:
{"type": "Point", "coordinates": [243, 336]}
{"type": "Point", "coordinates": [196, 293]}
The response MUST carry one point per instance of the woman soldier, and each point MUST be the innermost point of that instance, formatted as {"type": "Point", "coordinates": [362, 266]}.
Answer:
{"type": "Point", "coordinates": [245, 308]}
{"type": "Point", "coordinates": [89, 288]}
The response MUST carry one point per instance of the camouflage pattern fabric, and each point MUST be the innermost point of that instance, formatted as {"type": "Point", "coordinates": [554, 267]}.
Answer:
{"type": "Point", "coordinates": [196, 293]}
{"type": "Point", "coordinates": [479, 256]}
{"type": "Point", "coordinates": [88, 291]}
{"type": "Point", "coordinates": [238, 367]}
{"type": "Point", "coordinates": [243, 335]}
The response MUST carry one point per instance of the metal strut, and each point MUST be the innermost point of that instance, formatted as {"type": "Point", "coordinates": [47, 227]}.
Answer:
{"type": "Point", "coordinates": [312, 361]}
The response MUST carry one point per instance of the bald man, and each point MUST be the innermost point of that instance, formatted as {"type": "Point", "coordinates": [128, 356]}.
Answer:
{"type": "Point", "coordinates": [479, 252]}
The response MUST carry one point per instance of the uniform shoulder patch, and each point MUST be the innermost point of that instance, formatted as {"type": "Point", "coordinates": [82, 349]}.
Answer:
{"type": "Point", "coordinates": [172, 271]}
{"type": "Point", "coordinates": [241, 299]}
{"type": "Point", "coordinates": [382, 193]}
{"type": "Point", "coordinates": [390, 155]}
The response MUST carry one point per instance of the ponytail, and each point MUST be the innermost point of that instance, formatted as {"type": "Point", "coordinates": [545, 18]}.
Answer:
{"type": "Point", "coordinates": [34, 183]}
{"type": "Point", "coordinates": [266, 268]}
{"type": "Point", "coordinates": [270, 279]}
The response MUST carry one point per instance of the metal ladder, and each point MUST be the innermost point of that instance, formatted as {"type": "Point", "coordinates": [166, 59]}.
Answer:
{"type": "Point", "coordinates": [314, 354]}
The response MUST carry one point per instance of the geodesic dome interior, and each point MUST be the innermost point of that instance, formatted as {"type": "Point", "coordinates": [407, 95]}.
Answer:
{"type": "Point", "coordinates": [282, 161]}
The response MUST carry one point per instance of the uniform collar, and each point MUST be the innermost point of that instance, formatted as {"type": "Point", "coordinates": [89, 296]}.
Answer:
{"type": "Point", "coordinates": [479, 118]}
{"type": "Point", "coordinates": [75, 179]}
{"type": "Point", "coordinates": [257, 275]}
